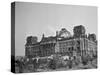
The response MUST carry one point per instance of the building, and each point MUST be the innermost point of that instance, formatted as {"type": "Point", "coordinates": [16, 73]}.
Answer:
{"type": "Point", "coordinates": [63, 43]}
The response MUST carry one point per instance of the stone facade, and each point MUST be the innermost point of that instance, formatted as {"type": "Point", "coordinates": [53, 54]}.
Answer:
{"type": "Point", "coordinates": [78, 44]}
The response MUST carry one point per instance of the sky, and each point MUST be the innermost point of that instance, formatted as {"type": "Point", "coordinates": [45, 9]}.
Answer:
{"type": "Point", "coordinates": [35, 19]}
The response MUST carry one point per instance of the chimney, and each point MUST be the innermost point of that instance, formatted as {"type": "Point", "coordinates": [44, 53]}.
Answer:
{"type": "Point", "coordinates": [43, 35]}
{"type": "Point", "coordinates": [56, 33]}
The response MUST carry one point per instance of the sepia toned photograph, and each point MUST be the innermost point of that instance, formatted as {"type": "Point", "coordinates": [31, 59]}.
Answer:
{"type": "Point", "coordinates": [53, 37]}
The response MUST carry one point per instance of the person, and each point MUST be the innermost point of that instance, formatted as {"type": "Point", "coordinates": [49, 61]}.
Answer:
{"type": "Point", "coordinates": [52, 64]}
{"type": "Point", "coordinates": [35, 64]}
{"type": "Point", "coordinates": [70, 63]}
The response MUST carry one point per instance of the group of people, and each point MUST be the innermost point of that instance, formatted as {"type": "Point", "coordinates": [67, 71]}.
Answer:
{"type": "Point", "coordinates": [51, 63]}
